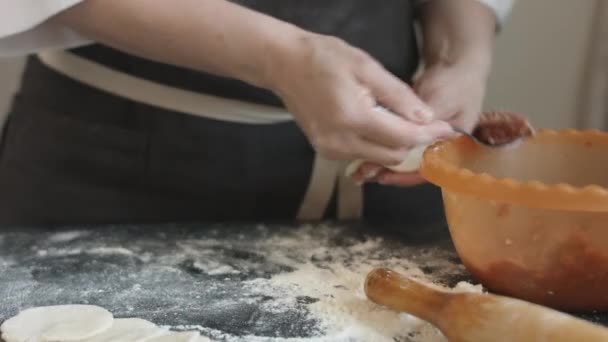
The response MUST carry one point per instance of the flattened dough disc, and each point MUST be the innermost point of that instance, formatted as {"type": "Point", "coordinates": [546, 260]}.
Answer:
{"type": "Point", "coordinates": [128, 330]}
{"type": "Point", "coordinates": [57, 323]}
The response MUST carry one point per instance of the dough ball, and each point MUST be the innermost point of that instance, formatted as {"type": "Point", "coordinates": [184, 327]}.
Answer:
{"type": "Point", "coordinates": [128, 330]}
{"type": "Point", "coordinates": [56, 323]}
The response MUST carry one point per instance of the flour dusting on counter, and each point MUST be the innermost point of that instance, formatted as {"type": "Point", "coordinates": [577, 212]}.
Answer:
{"type": "Point", "coordinates": [255, 284]}
{"type": "Point", "coordinates": [328, 278]}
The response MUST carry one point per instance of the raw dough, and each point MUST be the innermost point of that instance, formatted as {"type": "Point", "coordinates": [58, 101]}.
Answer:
{"type": "Point", "coordinates": [56, 323]}
{"type": "Point", "coordinates": [86, 323]}
{"type": "Point", "coordinates": [494, 128]}
{"type": "Point", "coordinates": [353, 166]}
{"type": "Point", "coordinates": [128, 330]}
{"type": "Point", "coordinates": [186, 336]}
{"type": "Point", "coordinates": [411, 162]}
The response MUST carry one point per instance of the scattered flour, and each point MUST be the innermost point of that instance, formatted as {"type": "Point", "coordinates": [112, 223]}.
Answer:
{"type": "Point", "coordinates": [212, 267]}
{"type": "Point", "coordinates": [66, 236]}
{"type": "Point", "coordinates": [463, 287]}
{"type": "Point", "coordinates": [55, 252]}
{"type": "Point", "coordinates": [329, 280]}
{"type": "Point", "coordinates": [343, 309]}
{"type": "Point", "coordinates": [313, 273]}
{"type": "Point", "coordinates": [110, 250]}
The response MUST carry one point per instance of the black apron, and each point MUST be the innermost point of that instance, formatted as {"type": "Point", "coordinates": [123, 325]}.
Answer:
{"type": "Point", "coordinates": [72, 154]}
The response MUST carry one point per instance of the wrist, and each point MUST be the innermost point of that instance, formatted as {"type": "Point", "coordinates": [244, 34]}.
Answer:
{"type": "Point", "coordinates": [458, 32]}
{"type": "Point", "coordinates": [477, 58]}
{"type": "Point", "coordinates": [279, 54]}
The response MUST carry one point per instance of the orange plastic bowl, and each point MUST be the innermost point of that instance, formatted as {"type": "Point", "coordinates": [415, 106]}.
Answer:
{"type": "Point", "coordinates": [530, 221]}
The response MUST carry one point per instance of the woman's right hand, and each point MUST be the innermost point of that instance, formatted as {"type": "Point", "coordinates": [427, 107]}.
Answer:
{"type": "Point", "coordinates": [332, 88]}
{"type": "Point", "coordinates": [329, 86]}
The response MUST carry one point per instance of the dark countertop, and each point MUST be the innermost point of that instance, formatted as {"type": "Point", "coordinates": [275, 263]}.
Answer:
{"type": "Point", "coordinates": [213, 278]}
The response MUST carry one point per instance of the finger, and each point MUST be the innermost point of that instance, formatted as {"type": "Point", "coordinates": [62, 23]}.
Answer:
{"type": "Point", "coordinates": [366, 171]}
{"type": "Point", "coordinates": [394, 94]}
{"type": "Point", "coordinates": [393, 131]}
{"type": "Point", "coordinates": [377, 176]}
{"type": "Point", "coordinates": [380, 126]}
{"type": "Point", "coordinates": [377, 154]}
{"type": "Point", "coordinates": [400, 179]}
{"type": "Point", "coordinates": [466, 120]}
{"type": "Point", "coordinates": [443, 104]}
{"type": "Point", "coordinates": [445, 107]}
{"type": "Point", "coordinates": [354, 147]}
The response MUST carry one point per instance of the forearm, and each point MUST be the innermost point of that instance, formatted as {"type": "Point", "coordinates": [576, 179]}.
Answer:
{"type": "Point", "coordinates": [457, 31]}
{"type": "Point", "coordinates": [215, 36]}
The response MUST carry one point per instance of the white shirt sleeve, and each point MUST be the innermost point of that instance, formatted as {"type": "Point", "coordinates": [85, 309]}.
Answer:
{"type": "Point", "coordinates": [501, 8]}
{"type": "Point", "coordinates": [24, 28]}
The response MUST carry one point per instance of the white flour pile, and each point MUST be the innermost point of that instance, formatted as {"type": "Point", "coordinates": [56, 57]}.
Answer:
{"type": "Point", "coordinates": [331, 280]}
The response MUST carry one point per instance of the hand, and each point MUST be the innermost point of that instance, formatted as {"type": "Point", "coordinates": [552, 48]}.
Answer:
{"type": "Point", "coordinates": [371, 172]}
{"type": "Point", "coordinates": [458, 44]}
{"type": "Point", "coordinates": [331, 88]}
{"type": "Point", "coordinates": [455, 93]}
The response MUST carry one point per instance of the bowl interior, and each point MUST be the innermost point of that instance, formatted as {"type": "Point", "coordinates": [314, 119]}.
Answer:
{"type": "Point", "coordinates": [578, 162]}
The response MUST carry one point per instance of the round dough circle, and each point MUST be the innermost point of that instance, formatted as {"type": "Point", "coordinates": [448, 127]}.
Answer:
{"type": "Point", "coordinates": [57, 323]}
{"type": "Point", "coordinates": [128, 330]}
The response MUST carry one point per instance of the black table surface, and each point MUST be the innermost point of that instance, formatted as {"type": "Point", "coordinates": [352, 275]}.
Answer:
{"type": "Point", "coordinates": [154, 271]}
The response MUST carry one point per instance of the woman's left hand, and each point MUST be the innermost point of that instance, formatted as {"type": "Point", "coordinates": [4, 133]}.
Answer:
{"type": "Point", "coordinates": [458, 47]}
{"type": "Point", "coordinates": [455, 93]}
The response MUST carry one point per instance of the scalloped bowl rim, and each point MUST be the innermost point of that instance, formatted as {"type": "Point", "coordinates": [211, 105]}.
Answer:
{"type": "Point", "coordinates": [560, 196]}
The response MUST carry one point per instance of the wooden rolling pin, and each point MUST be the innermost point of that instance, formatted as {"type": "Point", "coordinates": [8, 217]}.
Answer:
{"type": "Point", "coordinates": [476, 317]}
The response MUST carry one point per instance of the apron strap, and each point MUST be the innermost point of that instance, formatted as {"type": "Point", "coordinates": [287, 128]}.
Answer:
{"type": "Point", "coordinates": [320, 189]}
{"type": "Point", "coordinates": [160, 95]}
{"type": "Point", "coordinates": [326, 176]}
{"type": "Point", "coordinates": [350, 197]}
